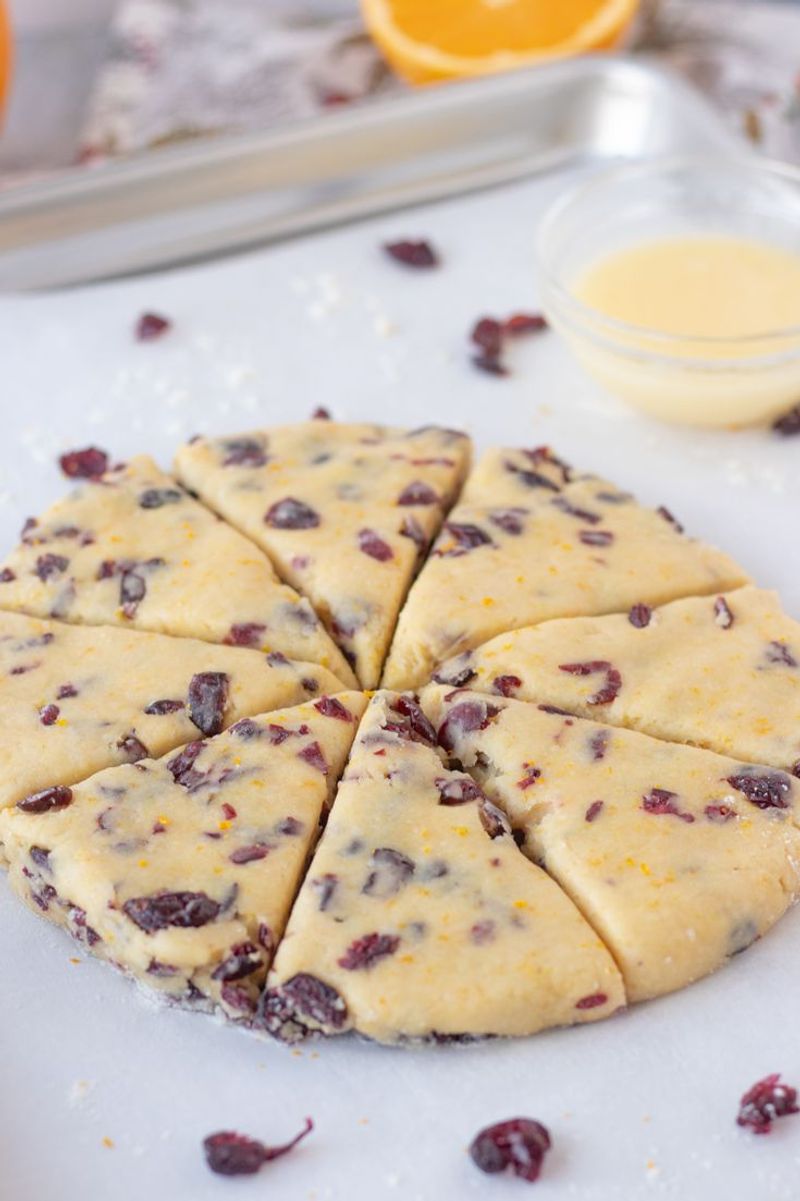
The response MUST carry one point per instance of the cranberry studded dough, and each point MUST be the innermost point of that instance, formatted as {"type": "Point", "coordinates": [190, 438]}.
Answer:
{"type": "Point", "coordinates": [678, 858]}
{"type": "Point", "coordinates": [528, 541]}
{"type": "Point", "coordinates": [475, 835]}
{"type": "Point", "coordinates": [182, 870]}
{"type": "Point", "coordinates": [720, 672]}
{"type": "Point", "coordinates": [77, 699]}
{"type": "Point", "coordinates": [344, 511]}
{"type": "Point", "coordinates": [420, 918]}
{"type": "Point", "coordinates": [132, 548]}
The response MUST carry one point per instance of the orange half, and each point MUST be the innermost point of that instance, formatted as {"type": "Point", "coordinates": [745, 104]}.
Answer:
{"type": "Point", "coordinates": [427, 40]}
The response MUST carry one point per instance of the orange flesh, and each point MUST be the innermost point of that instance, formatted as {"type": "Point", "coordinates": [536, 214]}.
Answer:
{"type": "Point", "coordinates": [478, 28]}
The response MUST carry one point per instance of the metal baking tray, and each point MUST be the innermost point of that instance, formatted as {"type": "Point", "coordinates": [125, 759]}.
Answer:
{"type": "Point", "coordinates": [188, 202]}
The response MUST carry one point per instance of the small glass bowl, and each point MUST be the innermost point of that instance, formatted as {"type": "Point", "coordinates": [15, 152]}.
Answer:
{"type": "Point", "coordinates": [711, 381]}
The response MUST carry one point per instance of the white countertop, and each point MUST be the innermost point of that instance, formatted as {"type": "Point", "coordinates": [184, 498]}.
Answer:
{"type": "Point", "coordinates": [639, 1107]}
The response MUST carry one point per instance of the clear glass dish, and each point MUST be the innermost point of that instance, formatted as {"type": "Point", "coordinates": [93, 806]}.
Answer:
{"type": "Point", "coordinates": [713, 381]}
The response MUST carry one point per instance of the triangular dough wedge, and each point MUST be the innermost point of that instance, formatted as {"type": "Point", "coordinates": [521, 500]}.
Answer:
{"type": "Point", "coordinates": [678, 857]}
{"type": "Point", "coordinates": [182, 870]}
{"type": "Point", "coordinates": [719, 672]}
{"type": "Point", "coordinates": [133, 549]}
{"type": "Point", "coordinates": [77, 699]}
{"type": "Point", "coordinates": [420, 919]}
{"type": "Point", "coordinates": [528, 543]}
{"type": "Point", "coordinates": [344, 511]}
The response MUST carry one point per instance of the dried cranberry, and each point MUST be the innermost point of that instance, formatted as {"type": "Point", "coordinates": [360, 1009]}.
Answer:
{"type": "Point", "coordinates": [49, 565]}
{"type": "Point", "coordinates": [244, 959]}
{"type": "Point", "coordinates": [66, 691]}
{"type": "Point", "coordinates": [592, 1001]}
{"type": "Point", "coordinates": [248, 633]}
{"type": "Point", "coordinates": [87, 464]}
{"type": "Point", "coordinates": [609, 691]}
{"type": "Point", "coordinates": [291, 514]}
{"type": "Point", "coordinates": [418, 493]}
{"type": "Point", "coordinates": [596, 537]}
{"type": "Point", "coordinates": [779, 652]}
{"type": "Point", "coordinates": [723, 615]}
{"type": "Point", "coordinates": [244, 452]}
{"type": "Point", "coordinates": [594, 810]}
{"type": "Point", "coordinates": [290, 827]}
{"type": "Point", "coordinates": [314, 757]}
{"type": "Point", "coordinates": [493, 820]}
{"type": "Point", "coordinates": [230, 1154]}
{"type": "Point", "coordinates": [301, 1006]}
{"type": "Point", "coordinates": [720, 813]}
{"type": "Point", "coordinates": [414, 726]}
{"type": "Point", "coordinates": [506, 685]}
{"type": "Point", "coordinates": [524, 323]}
{"type": "Point", "coordinates": [561, 502]}
{"type": "Point", "coordinates": [455, 677]}
{"type": "Point", "coordinates": [160, 708]}
{"type": "Point", "coordinates": [321, 414]}
{"type": "Point", "coordinates": [413, 530]}
{"type": "Point", "coordinates": [156, 498]}
{"type": "Point", "coordinates": [365, 952]}
{"type": "Point", "coordinates": [532, 774]}
{"type": "Point", "coordinates": [161, 910]}
{"type": "Point", "coordinates": [251, 854]}
{"type": "Point", "coordinates": [390, 871]}
{"type": "Point", "coordinates": [662, 801]}
{"type": "Point", "coordinates": [325, 887]}
{"type": "Point", "coordinates": [41, 857]}
{"type": "Point", "coordinates": [639, 615]}
{"type": "Point", "coordinates": [208, 696]}
{"type": "Point", "coordinates": [664, 512]}
{"type": "Point", "coordinates": [329, 706]}
{"type": "Point", "coordinates": [465, 536]}
{"type": "Point", "coordinates": [132, 590]}
{"type": "Point", "coordinates": [182, 766]}
{"type": "Point", "coordinates": [518, 1145]}
{"type": "Point", "coordinates": [132, 748]}
{"type": "Point", "coordinates": [373, 545]}
{"type": "Point", "coordinates": [487, 333]}
{"type": "Point", "coordinates": [412, 254]}
{"type": "Point", "coordinates": [789, 423]}
{"type": "Point", "coordinates": [531, 478]}
{"type": "Point", "coordinates": [482, 932]}
{"type": "Point", "coordinates": [509, 520]}
{"type": "Point", "coordinates": [490, 364]}
{"type": "Point", "coordinates": [457, 790]}
{"type": "Point", "coordinates": [464, 718]}
{"type": "Point", "coordinates": [598, 745]}
{"type": "Point", "coordinates": [151, 326]}
{"type": "Point", "coordinates": [46, 801]}
{"type": "Point", "coordinates": [764, 1102]}
{"type": "Point", "coordinates": [7, 575]}
{"type": "Point", "coordinates": [768, 790]}
{"type": "Point", "coordinates": [48, 715]}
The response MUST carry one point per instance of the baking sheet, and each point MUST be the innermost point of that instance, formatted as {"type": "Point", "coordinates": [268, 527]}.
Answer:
{"type": "Point", "coordinates": [641, 1106]}
{"type": "Point", "coordinates": [202, 198]}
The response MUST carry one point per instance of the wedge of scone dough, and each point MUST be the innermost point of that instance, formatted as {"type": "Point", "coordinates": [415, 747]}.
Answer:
{"type": "Point", "coordinates": [132, 548]}
{"type": "Point", "coordinates": [719, 672]}
{"type": "Point", "coordinates": [344, 511]}
{"type": "Point", "coordinates": [77, 699]}
{"type": "Point", "coordinates": [678, 857]}
{"type": "Point", "coordinates": [420, 919]}
{"type": "Point", "coordinates": [527, 543]}
{"type": "Point", "coordinates": [181, 870]}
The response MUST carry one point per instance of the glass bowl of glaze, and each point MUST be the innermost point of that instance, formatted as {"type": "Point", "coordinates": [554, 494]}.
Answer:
{"type": "Point", "coordinates": [676, 285]}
